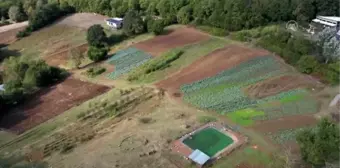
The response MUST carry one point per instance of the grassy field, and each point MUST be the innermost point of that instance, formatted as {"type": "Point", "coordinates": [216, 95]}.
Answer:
{"type": "Point", "coordinates": [67, 117]}
{"type": "Point", "coordinates": [189, 55]}
{"type": "Point", "coordinates": [244, 117]}
{"type": "Point", "coordinates": [48, 40]}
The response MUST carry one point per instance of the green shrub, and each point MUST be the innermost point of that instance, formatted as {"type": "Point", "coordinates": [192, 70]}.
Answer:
{"type": "Point", "coordinates": [133, 23]}
{"type": "Point", "coordinates": [97, 53]}
{"type": "Point", "coordinates": [154, 64]}
{"type": "Point", "coordinates": [184, 15]}
{"type": "Point", "coordinates": [95, 71]}
{"type": "Point", "coordinates": [307, 64]}
{"type": "Point", "coordinates": [214, 30]}
{"type": "Point", "coordinates": [206, 119]}
{"type": "Point", "coordinates": [330, 72]}
{"type": "Point", "coordinates": [23, 33]}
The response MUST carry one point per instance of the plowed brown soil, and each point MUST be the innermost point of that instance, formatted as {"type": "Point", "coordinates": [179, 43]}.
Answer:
{"type": "Point", "coordinates": [210, 65]}
{"type": "Point", "coordinates": [50, 102]}
{"type": "Point", "coordinates": [61, 57]}
{"type": "Point", "coordinates": [9, 36]}
{"type": "Point", "coordinates": [280, 84]}
{"type": "Point", "coordinates": [285, 123]}
{"type": "Point", "coordinates": [176, 38]}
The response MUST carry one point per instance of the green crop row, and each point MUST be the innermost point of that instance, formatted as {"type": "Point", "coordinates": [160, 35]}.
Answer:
{"type": "Point", "coordinates": [126, 60]}
{"type": "Point", "coordinates": [244, 117]}
{"type": "Point", "coordinates": [154, 64]}
{"type": "Point", "coordinates": [256, 67]}
{"type": "Point", "coordinates": [286, 135]}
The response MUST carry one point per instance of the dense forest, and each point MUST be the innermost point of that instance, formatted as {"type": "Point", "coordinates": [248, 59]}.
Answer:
{"type": "Point", "coordinates": [227, 14]}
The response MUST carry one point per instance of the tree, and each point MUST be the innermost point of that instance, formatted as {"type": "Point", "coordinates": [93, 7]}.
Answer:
{"type": "Point", "coordinates": [76, 56]}
{"type": "Point", "coordinates": [329, 45]}
{"type": "Point", "coordinates": [3, 20]}
{"type": "Point", "coordinates": [184, 15]}
{"type": "Point", "coordinates": [96, 36]}
{"type": "Point", "coordinates": [15, 14]}
{"type": "Point", "coordinates": [97, 53]}
{"type": "Point", "coordinates": [156, 26]}
{"type": "Point", "coordinates": [305, 11]}
{"type": "Point", "coordinates": [40, 3]}
{"type": "Point", "coordinates": [321, 144]}
{"type": "Point", "coordinates": [133, 24]}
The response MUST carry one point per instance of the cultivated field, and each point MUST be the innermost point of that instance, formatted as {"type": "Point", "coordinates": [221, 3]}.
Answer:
{"type": "Point", "coordinates": [175, 38]}
{"type": "Point", "coordinates": [50, 102]}
{"type": "Point", "coordinates": [8, 33]}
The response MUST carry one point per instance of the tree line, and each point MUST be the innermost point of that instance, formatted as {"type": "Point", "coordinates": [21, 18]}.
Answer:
{"type": "Point", "coordinates": [227, 14]}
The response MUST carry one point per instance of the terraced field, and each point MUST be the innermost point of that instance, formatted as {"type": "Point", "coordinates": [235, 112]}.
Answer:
{"type": "Point", "coordinates": [126, 60]}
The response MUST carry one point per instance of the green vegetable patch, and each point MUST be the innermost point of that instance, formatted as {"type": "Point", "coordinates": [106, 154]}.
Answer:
{"type": "Point", "coordinates": [244, 117]}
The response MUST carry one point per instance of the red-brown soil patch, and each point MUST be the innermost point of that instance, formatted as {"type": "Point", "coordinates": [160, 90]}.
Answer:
{"type": "Point", "coordinates": [280, 84]}
{"type": "Point", "coordinates": [9, 37]}
{"type": "Point", "coordinates": [61, 57]}
{"type": "Point", "coordinates": [210, 65]}
{"type": "Point", "coordinates": [285, 123]}
{"type": "Point", "coordinates": [176, 38]}
{"type": "Point", "coordinates": [50, 102]}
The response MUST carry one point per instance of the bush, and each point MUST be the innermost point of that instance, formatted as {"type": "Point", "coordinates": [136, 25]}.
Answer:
{"type": "Point", "coordinates": [206, 119]}
{"type": "Point", "coordinates": [214, 31]}
{"type": "Point", "coordinates": [330, 72]}
{"type": "Point", "coordinates": [154, 65]}
{"type": "Point", "coordinates": [95, 71]}
{"type": "Point", "coordinates": [96, 36]}
{"type": "Point", "coordinates": [307, 64]}
{"type": "Point", "coordinates": [97, 53]}
{"type": "Point", "coordinates": [23, 33]}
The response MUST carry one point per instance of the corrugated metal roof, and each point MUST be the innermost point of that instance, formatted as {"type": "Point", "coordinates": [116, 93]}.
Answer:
{"type": "Point", "coordinates": [115, 21]}
{"type": "Point", "coordinates": [199, 157]}
{"type": "Point", "coordinates": [323, 22]}
{"type": "Point", "coordinates": [332, 18]}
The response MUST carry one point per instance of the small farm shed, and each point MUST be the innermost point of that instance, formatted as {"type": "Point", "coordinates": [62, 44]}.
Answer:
{"type": "Point", "coordinates": [199, 157]}
{"type": "Point", "coordinates": [116, 23]}
{"type": "Point", "coordinates": [321, 22]}
{"type": "Point", "coordinates": [2, 87]}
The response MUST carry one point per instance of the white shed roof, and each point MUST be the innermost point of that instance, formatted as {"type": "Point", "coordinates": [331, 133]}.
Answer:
{"type": "Point", "coordinates": [199, 157]}
{"type": "Point", "coordinates": [332, 18]}
{"type": "Point", "coordinates": [2, 87]}
{"type": "Point", "coordinates": [324, 23]}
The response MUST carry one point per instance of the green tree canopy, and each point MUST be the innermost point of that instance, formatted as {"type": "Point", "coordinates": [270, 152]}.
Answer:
{"type": "Point", "coordinates": [133, 23]}
{"type": "Point", "coordinates": [321, 144]}
{"type": "Point", "coordinates": [96, 36]}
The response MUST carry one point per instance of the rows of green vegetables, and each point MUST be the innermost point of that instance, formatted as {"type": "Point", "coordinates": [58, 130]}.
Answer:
{"type": "Point", "coordinates": [126, 60]}
{"type": "Point", "coordinates": [224, 93]}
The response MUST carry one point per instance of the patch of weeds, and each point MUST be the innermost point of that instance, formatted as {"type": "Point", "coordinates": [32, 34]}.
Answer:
{"type": "Point", "coordinates": [145, 120]}
{"type": "Point", "coordinates": [244, 117]}
{"type": "Point", "coordinates": [67, 147]}
{"type": "Point", "coordinates": [206, 119]}
{"type": "Point", "coordinates": [95, 71]}
{"type": "Point", "coordinates": [81, 115]}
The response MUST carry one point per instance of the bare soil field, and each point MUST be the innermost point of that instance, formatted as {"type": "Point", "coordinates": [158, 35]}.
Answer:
{"type": "Point", "coordinates": [61, 57]}
{"type": "Point", "coordinates": [285, 123]}
{"type": "Point", "coordinates": [82, 20]}
{"type": "Point", "coordinates": [280, 84]}
{"type": "Point", "coordinates": [9, 36]}
{"type": "Point", "coordinates": [210, 65]}
{"type": "Point", "coordinates": [50, 102]}
{"type": "Point", "coordinates": [175, 38]}
{"type": "Point", "coordinates": [133, 143]}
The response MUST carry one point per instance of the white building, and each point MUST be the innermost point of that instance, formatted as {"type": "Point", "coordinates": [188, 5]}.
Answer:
{"type": "Point", "coordinates": [116, 23]}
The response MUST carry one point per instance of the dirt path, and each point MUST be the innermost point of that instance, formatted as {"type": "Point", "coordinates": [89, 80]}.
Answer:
{"type": "Point", "coordinates": [13, 26]}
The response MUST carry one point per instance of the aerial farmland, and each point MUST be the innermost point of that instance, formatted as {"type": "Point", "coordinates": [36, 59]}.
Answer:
{"type": "Point", "coordinates": [183, 97]}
